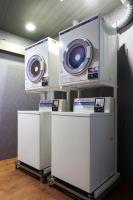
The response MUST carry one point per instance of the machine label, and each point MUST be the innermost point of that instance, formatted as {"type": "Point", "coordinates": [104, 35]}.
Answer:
{"type": "Point", "coordinates": [84, 103]}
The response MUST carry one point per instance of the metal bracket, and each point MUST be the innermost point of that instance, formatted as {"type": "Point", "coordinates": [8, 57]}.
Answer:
{"type": "Point", "coordinates": [42, 174]}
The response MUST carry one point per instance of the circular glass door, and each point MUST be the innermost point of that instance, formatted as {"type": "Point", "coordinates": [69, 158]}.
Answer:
{"type": "Point", "coordinates": [35, 68]}
{"type": "Point", "coordinates": [77, 56]}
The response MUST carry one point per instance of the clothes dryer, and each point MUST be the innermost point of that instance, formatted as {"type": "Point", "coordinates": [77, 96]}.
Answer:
{"type": "Point", "coordinates": [88, 54]}
{"type": "Point", "coordinates": [42, 66]}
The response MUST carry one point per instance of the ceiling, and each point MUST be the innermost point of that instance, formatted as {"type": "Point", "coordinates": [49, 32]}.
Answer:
{"type": "Point", "coordinates": [49, 16]}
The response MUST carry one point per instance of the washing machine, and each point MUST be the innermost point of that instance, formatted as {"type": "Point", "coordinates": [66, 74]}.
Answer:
{"type": "Point", "coordinates": [83, 147]}
{"type": "Point", "coordinates": [88, 54]}
{"type": "Point", "coordinates": [34, 139]}
{"type": "Point", "coordinates": [42, 66]}
{"type": "Point", "coordinates": [34, 134]}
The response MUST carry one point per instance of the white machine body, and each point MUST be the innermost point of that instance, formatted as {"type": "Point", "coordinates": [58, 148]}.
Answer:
{"type": "Point", "coordinates": [34, 134]}
{"type": "Point", "coordinates": [88, 105]}
{"type": "Point", "coordinates": [88, 54]}
{"type": "Point", "coordinates": [53, 105]}
{"type": "Point", "coordinates": [34, 138]}
{"type": "Point", "coordinates": [42, 66]}
{"type": "Point", "coordinates": [83, 145]}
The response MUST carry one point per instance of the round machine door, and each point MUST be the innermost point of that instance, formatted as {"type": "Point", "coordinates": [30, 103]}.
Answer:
{"type": "Point", "coordinates": [35, 68]}
{"type": "Point", "coordinates": [78, 56]}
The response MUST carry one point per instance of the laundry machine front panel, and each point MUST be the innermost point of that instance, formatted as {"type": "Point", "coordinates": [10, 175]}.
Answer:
{"type": "Point", "coordinates": [36, 65]}
{"type": "Point", "coordinates": [42, 66]}
{"type": "Point", "coordinates": [79, 52]}
{"type": "Point", "coordinates": [71, 149]}
{"type": "Point", "coordinates": [83, 148]}
{"type": "Point", "coordinates": [34, 138]}
{"type": "Point", "coordinates": [29, 139]}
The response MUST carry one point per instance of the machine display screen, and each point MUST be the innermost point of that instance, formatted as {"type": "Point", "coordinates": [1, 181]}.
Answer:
{"type": "Point", "coordinates": [55, 105]}
{"type": "Point", "coordinates": [99, 105]}
{"type": "Point", "coordinates": [100, 102]}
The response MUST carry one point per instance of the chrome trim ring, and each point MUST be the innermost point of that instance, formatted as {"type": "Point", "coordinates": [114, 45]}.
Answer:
{"type": "Point", "coordinates": [35, 68]}
{"type": "Point", "coordinates": [86, 47]}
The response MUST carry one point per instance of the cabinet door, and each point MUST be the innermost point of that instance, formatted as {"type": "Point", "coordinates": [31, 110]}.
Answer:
{"type": "Point", "coordinates": [28, 139]}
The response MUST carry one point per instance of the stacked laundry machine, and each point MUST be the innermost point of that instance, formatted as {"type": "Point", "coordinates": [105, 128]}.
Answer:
{"type": "Point", "coordinates": [79, 146]}
{"type": "Point", "coordinates": [34, 127]}
{"type": "Point", "coordinates": [84, 142]}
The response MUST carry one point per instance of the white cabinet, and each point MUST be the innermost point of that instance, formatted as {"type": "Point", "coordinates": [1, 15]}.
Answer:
{"type": "Point", "coordinates": [83, 149]}
{"type": "Point", "coordinates": [34, 138]}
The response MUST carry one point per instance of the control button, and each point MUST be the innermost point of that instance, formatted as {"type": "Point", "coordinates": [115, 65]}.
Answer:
{"type": "Point", "coordinates": [44, 83]}
{"type": "Point", "coordinates": [92, 75]}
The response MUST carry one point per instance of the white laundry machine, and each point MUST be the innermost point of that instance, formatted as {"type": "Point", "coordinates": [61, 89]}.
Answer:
{"type": "Point", "coordinates": [42, 66]}
{"type": "Point", "coordinates": [83, 146]}
{"type": "Point", "coordinates": [34, 134]}
{"type": "Point", "coordinates": [88, 54]}
{"type": "Point", "coordinates": [34, 139]}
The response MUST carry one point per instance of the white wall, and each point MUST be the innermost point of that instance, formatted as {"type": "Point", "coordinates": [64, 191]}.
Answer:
{"type": "Point", "coordinates": [12, 95]}
{"type": "Point", "coordinates": [15, 39]}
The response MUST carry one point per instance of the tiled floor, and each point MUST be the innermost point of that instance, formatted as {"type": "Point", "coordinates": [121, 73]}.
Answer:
{"type": "Point", "coordinates": [17, 185]}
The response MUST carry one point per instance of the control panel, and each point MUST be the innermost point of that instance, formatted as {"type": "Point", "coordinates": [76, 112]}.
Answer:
{"type": "Point", "coordinates": [99, 105]}
{"type": "Point", "coordinates": [53, 105]}
{"type": "Point", "coordinates": [94, 105]}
